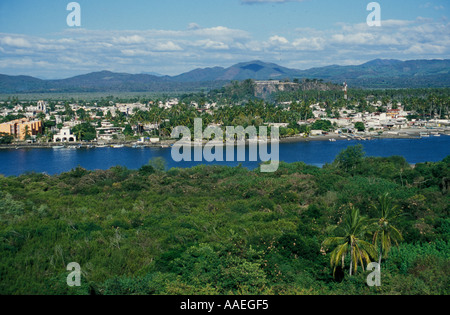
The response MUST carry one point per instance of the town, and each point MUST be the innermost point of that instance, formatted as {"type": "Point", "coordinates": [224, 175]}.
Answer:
{"type": "Point", "coordinates": [147, 122]}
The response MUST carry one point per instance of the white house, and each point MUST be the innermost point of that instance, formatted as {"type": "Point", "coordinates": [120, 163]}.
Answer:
{"type": "Point", "coordinates": [316, 132]}
{"type": "Point", "coordinates": [64, 136]}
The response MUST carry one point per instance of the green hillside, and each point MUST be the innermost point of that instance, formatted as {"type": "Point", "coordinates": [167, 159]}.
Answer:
{"type": "Point", "coordinates": [219, 230]}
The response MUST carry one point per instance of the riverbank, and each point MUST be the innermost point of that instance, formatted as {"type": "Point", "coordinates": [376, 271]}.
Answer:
{"type": "Point", "coordinates": [365, 136]}
{"type": "Point", "coordinates": [398, 134]}
{"type": "Point", "coordinates": [21, 145]}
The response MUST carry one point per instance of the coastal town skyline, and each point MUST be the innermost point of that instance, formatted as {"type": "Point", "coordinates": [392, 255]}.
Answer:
{"type": "Point", "coordinates": [173, 37]}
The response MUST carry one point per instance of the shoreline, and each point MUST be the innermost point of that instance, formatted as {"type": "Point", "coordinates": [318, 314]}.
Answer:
{"type": "Point", "coordinates": [167, 143]}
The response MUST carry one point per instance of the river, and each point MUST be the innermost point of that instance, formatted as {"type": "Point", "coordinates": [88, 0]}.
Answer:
{"type": "Point", "coordinates": [14, 162]}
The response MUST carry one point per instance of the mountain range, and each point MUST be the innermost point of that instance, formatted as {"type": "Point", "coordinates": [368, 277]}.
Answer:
{"type": "Point", "coordinates": [379, 73]}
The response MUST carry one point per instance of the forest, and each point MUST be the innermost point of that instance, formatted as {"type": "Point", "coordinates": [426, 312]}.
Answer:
{"type": "Point", "coordinates": [214, 230]}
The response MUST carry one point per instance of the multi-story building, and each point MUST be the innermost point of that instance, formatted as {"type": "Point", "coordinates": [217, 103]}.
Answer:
{"type": "Point", "coordinates": [20, 128]}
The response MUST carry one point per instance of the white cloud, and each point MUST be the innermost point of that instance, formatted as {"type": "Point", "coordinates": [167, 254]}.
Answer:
{"type": "Point", "coordinates": [169, 46]}
{"type": "Point", "coordinates": [176, 51]}
{"type": "Point", "coordinates": [193, 26]}
{"type": "Point", "coordinates": [15, 42]}
{"type": "Point", "coordinates": [134, 39]}
{"type": "Point", "coordinates": [312, 43]}
{"type": "Point", "coordinates": [211, 44]}
{"type": "Point", "coordinates": [135, 52]}
{"type": "Point", "coordinates": [278, 40]}
{"type": "Point", "coordinates": [425, 48]}
{"type": "Point", "coordinates": [23, 63]}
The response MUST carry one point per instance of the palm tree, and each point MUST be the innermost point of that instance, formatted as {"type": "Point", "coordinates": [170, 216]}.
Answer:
{"type": "Point", "coordinates": [385, 233]}
{"type": "Point", "coordinates": [27, 132]}
{"type": "Point", "coordinates": [41, 117]}
{"type": "Point", "coordinates": [353, 230]}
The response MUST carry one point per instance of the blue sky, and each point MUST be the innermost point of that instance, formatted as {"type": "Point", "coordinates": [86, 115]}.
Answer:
{"type": "Point", "coordinates": [174, 36]}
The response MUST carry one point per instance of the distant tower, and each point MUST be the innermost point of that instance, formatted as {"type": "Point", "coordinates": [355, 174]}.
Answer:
{"type": "Point", "coordinates": [345, 91]}
{"type": "Point", "coordinates": [41, 106]}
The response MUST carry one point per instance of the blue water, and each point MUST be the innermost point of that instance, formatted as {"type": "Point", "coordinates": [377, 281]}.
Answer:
{"type": "Point", "coordinates": [16, 162]}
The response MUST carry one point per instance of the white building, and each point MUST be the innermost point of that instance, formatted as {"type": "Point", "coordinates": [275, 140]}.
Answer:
{"type": "Point", "coordinates": [108, 132]}
{"type": "Point", "coordinates": [64, 136]}
{"type": "Point", "coordinates": [316, 132]}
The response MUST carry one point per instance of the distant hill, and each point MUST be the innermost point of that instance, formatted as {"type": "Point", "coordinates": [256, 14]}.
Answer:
{"type": "Point", "coordinates": [106, 80]}
{"type": "Point", "coordinates": [103, 81]}
{"type": "Point", "coordinates": [207, 74]}
{"type": "Point", "coordinates": [256, 70]}
{"type": "Point", "coordinates": [379, 73]}
{"type": "Point", "coordinates": [156, 74]}
{"type": "Point", "coordinates": [19, 84]}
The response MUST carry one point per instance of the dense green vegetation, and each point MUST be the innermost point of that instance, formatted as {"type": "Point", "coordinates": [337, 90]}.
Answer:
{"type": "Point", "coordinates": [85, 131]}
{"type": "Point", "coordinates": [220, 230]}
{"type": "Point", "coordinates": [5, 138]}
{"type": "Point", "coordinates": [425, 102]}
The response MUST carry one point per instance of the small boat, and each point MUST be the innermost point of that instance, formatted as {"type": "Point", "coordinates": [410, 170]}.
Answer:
{"type": "Point", "coordinates": [58, 147]}
{"type": "Point", "coordinates": [118, 146]}
{"type": "Point", "coordinates": [332, 140]}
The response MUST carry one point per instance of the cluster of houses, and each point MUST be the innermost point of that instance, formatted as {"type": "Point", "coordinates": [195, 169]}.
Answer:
{"type": "Point", "coordinates": [391, 118]}
{"type": "Point", "coordinates": [35, 114]}
{"type": "Point", "coordinates": [61, 132]}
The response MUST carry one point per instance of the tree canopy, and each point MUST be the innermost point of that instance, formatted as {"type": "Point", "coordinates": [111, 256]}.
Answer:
{"type": "Point", "coordinates": [228, 230]}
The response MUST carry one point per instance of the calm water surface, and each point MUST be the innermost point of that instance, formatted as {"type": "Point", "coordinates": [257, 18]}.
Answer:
{"type": "Point", "coordinates": [15, 162]}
